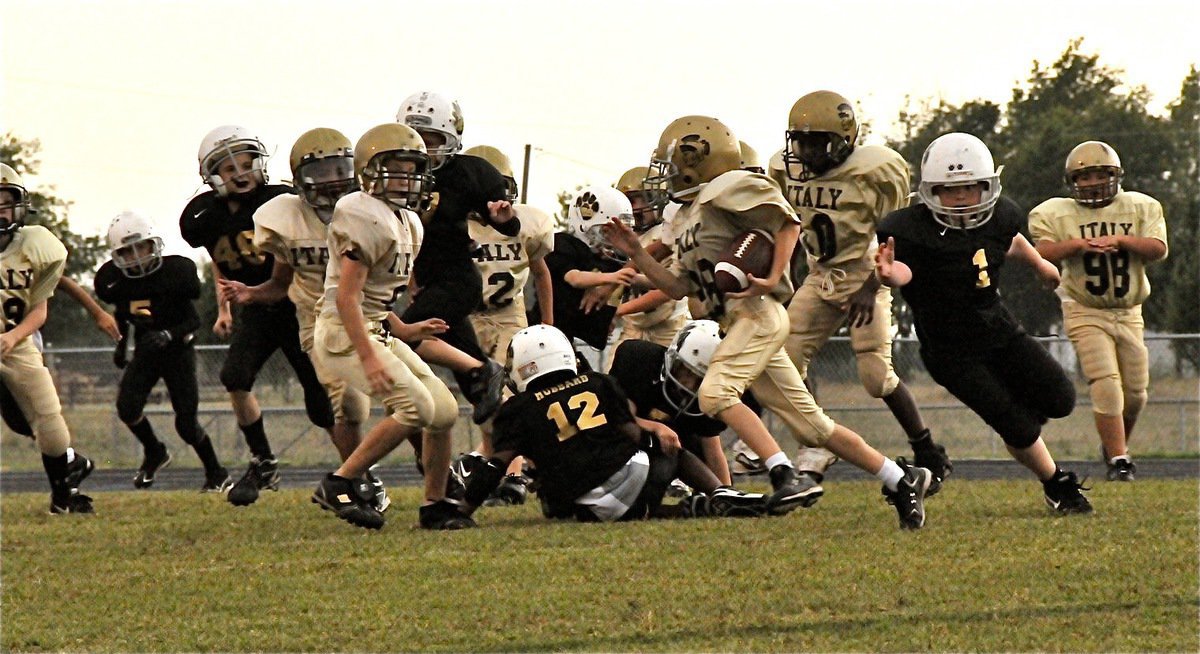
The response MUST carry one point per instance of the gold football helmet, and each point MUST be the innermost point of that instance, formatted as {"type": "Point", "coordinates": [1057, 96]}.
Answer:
{"type": "Point", "coordinates": [692, 151]}
{"type": "Point", "coordinates": [322, 163]}
{"type": "Point", "coordinates": [1089, 156]}
{"type": "Point", "coordinates": [645, 214]}
{"type": "Point", "coordinates": [821, 134]}
{"type": "Point", "coordinates": [750, 160]}
{"type": "Point", "coordinates": [500, 162]}
{"type": "Point", "coordinates": [12, 184]}
{"type": "Point", "coordinates": [392, 165]}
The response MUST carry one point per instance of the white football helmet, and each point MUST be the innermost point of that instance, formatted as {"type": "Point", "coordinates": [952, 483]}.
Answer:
{"type": "Point", "coordinates": [432, 112]}
{"type": "Point", "coordinates": [594, 207]}
{"type": "Point", "coordinates": [536, 351]}
{"type": "Point", "coordinates": [959, 159]}
{"type": "Point", "coordinates": [11, 182]}
{"type": "Point", "coordinates": [692, 349]}
{"type": "Point", "coordinates": [133, 244]}
{"type": "Point", "coordinates": [224, 142]}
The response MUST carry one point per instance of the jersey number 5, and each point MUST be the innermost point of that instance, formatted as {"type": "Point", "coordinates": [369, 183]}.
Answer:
{"type": "Point", "coordinates": [586, 419]}
{"type": "Point", "coordinates": [980, 261]}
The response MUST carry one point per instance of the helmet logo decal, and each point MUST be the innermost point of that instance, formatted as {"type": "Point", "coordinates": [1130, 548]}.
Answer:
{"type": "Point", "coordinates": [693, 149]}
{"type": "Point", "coordinates": [846, 116]}
{"type": "Point", "coordinates": [588, 205]}
{"type": "Point", "coordinates": [527, 370]}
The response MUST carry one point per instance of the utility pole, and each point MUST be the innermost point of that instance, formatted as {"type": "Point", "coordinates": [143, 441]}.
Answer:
{"type": "Point", "coordinates": [525, 175]}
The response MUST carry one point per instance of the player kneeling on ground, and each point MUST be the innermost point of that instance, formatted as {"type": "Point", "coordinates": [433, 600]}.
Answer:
{"type": "Point", "coordinates": [594, 460]}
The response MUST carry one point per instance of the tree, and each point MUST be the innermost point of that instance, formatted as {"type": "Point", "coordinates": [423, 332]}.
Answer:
{"type": "Point", "coordinates": [1182, 207]}
{"type": "Point", "coordinates": [84, 252]}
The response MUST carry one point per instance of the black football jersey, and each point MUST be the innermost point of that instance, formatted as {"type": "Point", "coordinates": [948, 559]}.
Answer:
{"type": "Point", "coordinates": [229, 238]}
{"type": "Point", "coordinates": [954, 292]}
{"type": "Point", "coordinates": [574, 431]}
{"type": "Point", "coordinates": [464, 185]}
{"type": "Point", "coordinates": [161, 300]}
{"type": "Point", "coordinates": [637, 367]}
{"type": "Point", "coordinates": [569, 254]}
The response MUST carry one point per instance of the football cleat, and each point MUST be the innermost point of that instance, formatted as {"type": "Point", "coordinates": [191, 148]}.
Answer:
{"type": "Point", "coordinates": [216, 481]}
{"type": "Point", "coordinates": [460, 474]}
{"type": "Point", "coordinates": [909, 496]}
{"type": "Point", "coordinates": [488, 387]}
{"type": "Point", "coordinates": [78, 470]}
{"type": "Point", "coordinates": [693, 506]}
{"type": "Point", "coordinates": [512, 491]}
{"type": "Point", "coordinates": [934, 459]}
{"type": "Point", "coordinates": [728, 502]}
{"type": "Point", "coordinates": [261, 473]}
{"type": "Point", "coordinates": [792, 491]}
{"type": "Point", "coordinates": [1122, 469]}
{"type": "Point", "coordinates": [152, 462]}
{"type": "Point", "coordinates": [678, 489]}
{"type": "Point", "coordinates": [350, 500]}
{"type": "Point", "coordinates": [379, 499]}
{"type": "Point", "coordinates": [1062, 492]}
{"type": "Point", "coordinates": [72, 502]}
{"type": "Point", "coordinates": [444, 515]}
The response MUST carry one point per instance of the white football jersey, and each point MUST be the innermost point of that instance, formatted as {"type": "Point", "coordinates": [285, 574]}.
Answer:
{"type": "Point", "coordinates": [503, 261]}
{"type": "Point", "coordinates": [291, 231]}
{"type": "Point", "coordinates": [29, 271]}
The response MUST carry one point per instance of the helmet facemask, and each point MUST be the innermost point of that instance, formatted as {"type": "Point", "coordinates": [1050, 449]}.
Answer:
{"type": "Point", "coordinates": [15, 200]}
{"type": "Point", "coordinates": [962, 217]}
{"type": "Point", "coordinates": [322, 181]}
{"type": "Point", "coordinates": [230, 174]}
{"type": "Point", "coordinates": [139, 258]}
{"type": "Point", "coordinates": [811, 154]}
{"type": "Point", "coordinates": [1096, 195]}
{"type": "Point", "coordinates": [686, 363]}
{"type": "Point", "coordinates": [400, 178]}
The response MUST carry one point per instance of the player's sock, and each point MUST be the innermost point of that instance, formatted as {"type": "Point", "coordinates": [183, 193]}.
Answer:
{"type": "Point", "coordinates": [923, 438]}
{"type": "Point", "coordinates": [256, 439]}
{"type": "Point", "coordinates": [890, 474]}
{"type": "Point", "coordinates": [144, 432]}
{"type": "Point", "coordinates": [56, 468]}
{"type": "Point", "coordinates": [778, 459]}
{"type": "Point", "coordinates": [204, 450]}
{"type": "Point", "coordinates": [70, 455]}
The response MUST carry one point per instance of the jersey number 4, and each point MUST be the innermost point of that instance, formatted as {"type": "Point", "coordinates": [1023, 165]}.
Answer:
{"type": "Point", "coordinates": [242, 250]}
{"type": "Point", "coordinates": [587, 418]}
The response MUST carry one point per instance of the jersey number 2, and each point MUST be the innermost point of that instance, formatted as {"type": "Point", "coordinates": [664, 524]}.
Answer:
{"type": "Point", "coordinates": [587, 419]}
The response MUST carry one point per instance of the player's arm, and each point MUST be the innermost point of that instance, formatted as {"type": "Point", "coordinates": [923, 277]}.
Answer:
{"type": "Point", "coordinates": [589, 279]}
{"type": "Point", "coordinates": [1057, 251]}
{"type": "Point", "coordinates": [34, 318]}
{"type": "Point", "coordinates": [349, 307]}
{"type": "Point", "coordinates": [224, 324]}
{"type": "Point", "coordinates": [1022, 250]}
{"type": "Point", "coordinates": [658, 250]}
{"type": "Point", "coordinates": [103, 319]}
{"type": "Point", "coordinates": [648, 301]}
{"type": "Point", "coordinates": [269, 292]}
{"type": "Point", "coordinates": [543, 288]}
{"type": "Point", "coordinates": [1149, 249]}
{"type": "Point", "coordinates": [891, 273]}
{"type": "Point", "coordinates": [785, 245]}
{"type": "Point", "coordinates": [625, 239]}
{"type": "Point", "coordinates": [714, 457]}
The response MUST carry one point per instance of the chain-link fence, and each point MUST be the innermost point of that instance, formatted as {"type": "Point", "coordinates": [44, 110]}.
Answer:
{"type": "Point", "coordinates": [87, 382]}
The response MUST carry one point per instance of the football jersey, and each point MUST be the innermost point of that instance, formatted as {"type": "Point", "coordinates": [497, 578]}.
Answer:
{"type": "Point", "coordinates": [229, 237]}
{"type": "Point", "coordinates": [462, 186]}
{"type": "Point", "coordinates": [660, 313]}
{"type": "Point", "coordinates": [161, 300]}
{"type": "Point", "coordinates": [503, 261]}
{"type": "Point", "coordinates": [734, 202]}
{"type": "Point", "coordinates": [637, 367]}
{"type": "Point", "coordinates": [29, 270]}
{"type": "Point", "coordinates": [840, 209]}
{"type": "Point", "coordinates": [384, 241]}
{"type": "Point", "coordinates": [954, 292]}
{"type": "Point", "coordinates": [289, 230]}
{"type": "Point", "coordinates": [1115, 280]}
{"type": "Point", "coordinates": [569, 254]}
{"type": "Point", "coordinates": [571, 430]}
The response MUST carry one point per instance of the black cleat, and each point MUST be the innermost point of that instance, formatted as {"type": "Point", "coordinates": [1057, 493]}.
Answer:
{"type": "Point", "coordinates": [72, 502]}
{"type": "Point", "coordinates": [261, 473]}
{"type": "Point", "coordinates": [460, 473]}
{"type": "Point", "coordinates": [152, 462]}
{"type": "Point", "coordinates": [728, 502]}
{"type": "Point", "coordinates": [379, 495]}
{"type": "Point", "coordinates": [512, 491]}
{"type": "Point", "coordinates": [216, 481]}
{"type": "Point", "coordinates": [934, 459]}
{"type": "Point", "coordinates": [693, 506]}
{"type": "Point", "coordinates": [791, 490]}
{"type": "Point", "coordinates": [1122, 469]}
{"type": "Point", "coordinates": [489, 388]}
{"type": "Point", "coordinates": [350, 500]}
{"type": "Point", "coordinates": [1063, 494]}
{"type": "Point", "coordinates": [78, 470]}
{"type": "Point", "coordinates": [909, 496]}
{"type": "Point", "coordinates": [444, 515]}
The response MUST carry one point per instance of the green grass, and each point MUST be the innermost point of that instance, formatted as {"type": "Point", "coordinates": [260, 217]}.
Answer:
{"type": "Point", "coordinates": [992, 571]}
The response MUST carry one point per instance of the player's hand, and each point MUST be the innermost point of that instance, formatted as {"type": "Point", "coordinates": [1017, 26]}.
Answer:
{"type": "Point", "coordinates": [377, 376]}
{"type": "Point", "coordinates": [223, 327]}
{"type": "Point", "coordinates": [667, 439]}
{"type": "Point", "coordinates": [7, 343]}
{"type": "Point", "coordinates": [1049, 275]}
{"type": "Point", "coordinates": [1104, 244]}
{"type": "Point", "coordinates": [426, 328]}
{"type": "Point", "coordinates": [621, 237]}
{"type": "Point", "coordinates": [119, 359]}
{"type": "Point", "coordinates": [596, 297]}
{"type": "Point", "coordinates": [501, 211]}
{"type": "Point", "coordinates": [758, 286]}
{"type": "Point", "coordinates": [622, 277]}
{"type": "Point", "coordinates": [234, 292]}
{"type": "Point", "coordinates": [860, 307]}
{"type": "Point", "coordinates": [885, 259]}
{"type": "Point", "coordinates": [107, 324]}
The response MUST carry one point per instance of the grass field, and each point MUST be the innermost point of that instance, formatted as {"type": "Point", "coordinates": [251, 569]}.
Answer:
{"type": "Point", "coordinates": [992, 571]}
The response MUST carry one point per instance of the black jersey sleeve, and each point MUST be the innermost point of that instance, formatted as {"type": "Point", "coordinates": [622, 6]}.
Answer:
{"type": "Point", "coordinates": [636, 367]}
{"type": "Point", "coordinates": [182, 274]}
{"type": "Point", "coordinates": [490, 187]}
{"type": "Point", "coordinates": [192, 224]}
{"type": "Point", "coordinates": [619, 412]}
{"type": "Point", "coordinates": [507, 425]}
{"type": "Point", "coordinates": [106, 281]}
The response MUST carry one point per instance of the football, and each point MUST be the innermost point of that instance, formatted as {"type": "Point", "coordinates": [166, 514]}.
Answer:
{"type": "Point", "coordinates": [749, 253]}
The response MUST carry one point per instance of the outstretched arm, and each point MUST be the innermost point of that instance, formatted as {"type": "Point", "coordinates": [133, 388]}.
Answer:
{"type": "Point", "coordinates": [1022, 250]}
{"type": "Point", "coordinates": [890, 272]}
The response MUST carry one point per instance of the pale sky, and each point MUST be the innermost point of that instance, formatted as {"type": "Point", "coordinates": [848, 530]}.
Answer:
{"type": "Point", "coordinates": [121, 92]}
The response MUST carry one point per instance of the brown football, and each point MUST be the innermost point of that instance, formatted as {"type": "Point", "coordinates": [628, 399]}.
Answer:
{"type": "Point", "coordinates": [749, 253]}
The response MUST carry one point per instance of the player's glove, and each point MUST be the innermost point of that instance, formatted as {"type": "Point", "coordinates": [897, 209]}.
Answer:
{"type": "Point", "coordinates": [155, 340]}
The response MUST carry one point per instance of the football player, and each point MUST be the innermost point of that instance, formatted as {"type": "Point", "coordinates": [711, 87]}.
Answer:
{"type": "Point", "coordinates": [292, 229]}
{"type": "Point", "coordinates": [506, 263]}
{"type": "Point", "coordinates": [445, 282]}
{"type": "Point", "coordinates": [595, 460]}
{"type": "Point", "coordinates": [154, 295]}
{"type": "Point", "coordinates": [840, 191]}
{"type": "Point", "coordinates": [31, 262]}
{"type": "Point", "coordinates": [374, 237]}
{"type": "Point", "coordinates": [697, 163]}
{"type": "Point", "coordinates": [946, 254]}
{"type": "Point", "coordinates": [233, 162]}
{"type": "Point", "coordinates": [1103, 237]}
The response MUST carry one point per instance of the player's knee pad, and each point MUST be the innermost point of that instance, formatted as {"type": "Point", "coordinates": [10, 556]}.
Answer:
{"type": "Point", "coordinates": [188, 429]}
{"type": "Point", "coordinates": [445, 406]}
{"type": "Point", "coordinates": [1107, 397]}
{"type": "Point", "coordinates": [414, 408]}
{"type": "Point", "coordinates": [1135, 401]}
{"type": "Point", "coordinates": [876, 374]}
{"type": "Point", "coordinates": [1021, 433]}
{"type": "Point", "coordinates": [714, 396]}
{"type": "Point", "coordinates": [352, 406]}
{"type": "Point", "coordinates": [318, 409]}
{"type": "Point", "coordinates": [128, 410]}
{"type": "Point", "coordinates": [236, 376]}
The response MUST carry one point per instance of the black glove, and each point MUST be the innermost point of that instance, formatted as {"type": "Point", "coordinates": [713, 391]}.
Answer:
{"type": "Point", "coordinates": [155, 340]}
{"type": "Point", "coordinates": [119, 359]}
